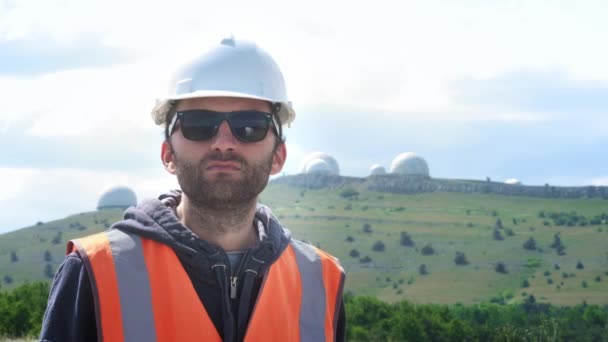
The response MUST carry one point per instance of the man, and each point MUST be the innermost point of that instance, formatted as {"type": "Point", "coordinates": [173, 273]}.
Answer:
{"type": "Point", "coordinates": [206, 263]}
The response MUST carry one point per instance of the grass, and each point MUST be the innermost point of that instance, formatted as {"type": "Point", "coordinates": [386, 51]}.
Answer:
{"type": "Point", "coordinates": [451, 222]}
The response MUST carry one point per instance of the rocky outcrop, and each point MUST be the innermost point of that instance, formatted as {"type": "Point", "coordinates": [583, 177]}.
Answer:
{"type": "Point", "coordinates": [417, 184]}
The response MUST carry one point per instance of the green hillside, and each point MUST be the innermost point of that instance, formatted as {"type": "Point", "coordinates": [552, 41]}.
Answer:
{"type": "Point", "coordinates": [449, 222]}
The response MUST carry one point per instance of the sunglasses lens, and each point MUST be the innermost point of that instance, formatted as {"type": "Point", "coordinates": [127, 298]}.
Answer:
{"type": "Point", "coordinates": [197, 126]}
{"type": "Point", "coordinates": [249, 126]}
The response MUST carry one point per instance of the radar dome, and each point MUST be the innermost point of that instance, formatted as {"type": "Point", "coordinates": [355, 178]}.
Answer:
{"type": "Point", "coordinates": [410, 164]}
{"type": "Point", "coordinates": [334, 169]}
{"type": "Point", "coordinates": [513, 181]}
{"type": "Point", "coordinates": [318, 166]}
{"type": "Point", "coordinates": [117, 197]}
{"type": "Point", "coordinates": [377, 169]}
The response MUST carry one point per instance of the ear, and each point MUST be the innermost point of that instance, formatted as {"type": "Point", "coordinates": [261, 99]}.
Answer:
{"type": "Point", "coordinates": [278, 159]}
{"type": "Point", "coordinates": [167, 157]}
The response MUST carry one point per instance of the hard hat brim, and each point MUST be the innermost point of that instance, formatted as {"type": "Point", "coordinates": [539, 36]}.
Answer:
{"type": "Point", "coordinates": [161, 109]}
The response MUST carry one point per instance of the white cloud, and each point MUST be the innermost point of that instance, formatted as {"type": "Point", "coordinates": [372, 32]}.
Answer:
{"type": "Point", "coordinates": [32, 195]}
{"type": "Point", "coordinates": [600, 181]}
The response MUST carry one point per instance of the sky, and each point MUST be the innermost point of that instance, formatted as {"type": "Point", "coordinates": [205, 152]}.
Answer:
{"type": "Point", "coordinates": [500, 89]}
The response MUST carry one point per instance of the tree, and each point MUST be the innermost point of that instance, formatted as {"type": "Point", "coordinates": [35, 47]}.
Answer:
{"type": "Point", "coordinates": [498, 224]}
{"type": "Point", "coordinates": [48, 271]}
{"type": "Point", "coordinates": [558, 244]}
{"type": "Point", "coordinates": [406, 240]}
{"type": "Point", "coordinates": [14, 257]}
{"type": "Point", "coordinates": [530, 244]}
{"type": "Point", "coordinates": [57, 238]}
{"type": "Point", "coordinates": [427, 250]}
{"type": "Point", "coordinates": [497, 235]}
{"type": "Point", "coordinates": [423, 270]}
{"type": "Point", "coordinates": [461, 259]}
{"type": "Point", "coordinates": [378, 246]}
{"type": "Point", "coordinates": [48, 256]}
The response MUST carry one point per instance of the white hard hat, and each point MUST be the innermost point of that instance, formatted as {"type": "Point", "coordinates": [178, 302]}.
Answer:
{"type": "Point", "coordinates": [234, 68]}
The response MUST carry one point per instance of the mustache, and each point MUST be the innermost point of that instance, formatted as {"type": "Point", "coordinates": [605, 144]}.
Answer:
{"type": "Point", "coordinates": [223, 157]}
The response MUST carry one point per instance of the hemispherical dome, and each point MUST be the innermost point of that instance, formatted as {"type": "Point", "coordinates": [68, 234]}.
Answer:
{"type": "Point", "coordinates": [334, 169]}
{"type": "Point", "coordinates": [377, 169]}
{"type": "Point", "coordinates": [410, 164]}
{"type": "Point", "coordinates": [117, 197]}
{"type": "Point", "coordinates": [513, 181]}
{"type": "Point", "coordinates": [318, 166]}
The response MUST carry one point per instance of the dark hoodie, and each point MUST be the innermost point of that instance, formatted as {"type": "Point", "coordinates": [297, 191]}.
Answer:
{"type": "Point", "coordinates": [70, 314]}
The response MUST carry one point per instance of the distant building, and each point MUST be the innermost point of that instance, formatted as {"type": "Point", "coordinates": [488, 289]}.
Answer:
{"type": "Point", "coordinates": [410, 164]}
{"type": "Point", "coordinates": [318, 166]}
{"type": "Point", "coordinates": [513, 181]}
{"type": "Point", "coordinates": [117, 197]}
{"type": "Point", "coordinates": [377, 169]}
{"type": "Point", "coordinates": [314, 158]}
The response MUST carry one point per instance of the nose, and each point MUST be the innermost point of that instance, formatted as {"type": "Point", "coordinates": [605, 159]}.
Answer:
{"type": "Point", "coordinates": [224, 140]}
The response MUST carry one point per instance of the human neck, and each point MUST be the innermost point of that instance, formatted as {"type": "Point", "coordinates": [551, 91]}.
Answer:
{"type": "Point", "coordinates": [231, 229]}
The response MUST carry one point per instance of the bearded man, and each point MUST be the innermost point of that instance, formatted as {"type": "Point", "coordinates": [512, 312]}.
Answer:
{"type": "Point", "coordinates": [206, 262]}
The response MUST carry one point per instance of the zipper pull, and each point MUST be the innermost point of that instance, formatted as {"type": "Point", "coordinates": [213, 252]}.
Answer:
{"type": "Point", "coordinates": [233, 287]}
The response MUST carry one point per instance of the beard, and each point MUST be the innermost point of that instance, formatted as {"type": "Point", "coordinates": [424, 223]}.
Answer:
{"type": "Point", "coordinates": [223, 193]}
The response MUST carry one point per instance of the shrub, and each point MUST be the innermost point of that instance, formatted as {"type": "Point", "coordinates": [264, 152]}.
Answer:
{"type": "Point", "coordinates": [498, 224]}
{"type": "Point", "coordinates": [427, 250]}
{"type": "Point", "coordinates": [580, 266]}
{"type": "Point", "coordinates": [530, 244]}
{"type": "Point", "coordinates": [8, 279]}
{"type": "Point", "coordinates": [497, 235]}
{"type": "Point", "coordinates": [461, 259]}
{"type": "Point", "coordinates": [349, 239]}
{"type": "Point", "coordinates": [525, 283]}
{"type": "Point", "coordinates": [547, 273]}
{"type": "Point", "coordinates": [378, 246]}
{"type": "Point", "coordinates": [549, 281]}
{"type": "Point", "coordinates": [598, 279]}
{"type": "Point", "coordinates": [501, 268]}
{"type": "Point", "coordinates": [470, 225]}
{"type": "Point", "coordinates": [348, 207]}
{"type": "Point", "coordinates": [406, 240]}
{"type": "Point", "coordinates": [556, 267]}
{"type": "Point", "coordinates": [349, 193]}
{"type": "Point", "coordinates": [584, 284]}
{"type": "Point", "coordinates": [366, 259]}
{"type": "Point", "coordinates": [354, 253]}
{"type": "Point", "coordinates": [509, 232]}
{"type": "Point", "coordinates": [367, 228]}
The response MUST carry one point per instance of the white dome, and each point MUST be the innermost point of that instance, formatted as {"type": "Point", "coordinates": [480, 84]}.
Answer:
{"type": "Point", "coordinates": [513, 181]}
{"type": "Point", "coordinates": [318, 166]}
{"type": "Point", "coordinates": [117, 197]}
{"type": "Point", "coordinates": [409, 163]}
{"type": "Point", "coordinates": [334, 169]}
{"type": "Point", "coordinates": [377, 169]}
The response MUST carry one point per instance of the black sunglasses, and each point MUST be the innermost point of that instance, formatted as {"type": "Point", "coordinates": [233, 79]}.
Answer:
{"type": "Point", "coordinates": [200, 124]}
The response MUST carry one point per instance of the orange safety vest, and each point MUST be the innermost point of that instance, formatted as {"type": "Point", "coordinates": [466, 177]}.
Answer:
{"type": "Point", "coordinates": [142, 293]}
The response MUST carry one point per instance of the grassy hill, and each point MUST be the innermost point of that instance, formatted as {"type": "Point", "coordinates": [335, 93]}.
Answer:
{"type": "Point", "coordinates": [335, 220]}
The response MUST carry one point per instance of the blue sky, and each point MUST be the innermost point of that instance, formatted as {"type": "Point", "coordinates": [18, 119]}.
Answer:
{"type": "Point", "coordinates": [500, 89]}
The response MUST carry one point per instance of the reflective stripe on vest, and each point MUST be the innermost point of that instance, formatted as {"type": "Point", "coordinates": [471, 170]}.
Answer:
{"type": "Point", "coordinates": [142, 293]}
